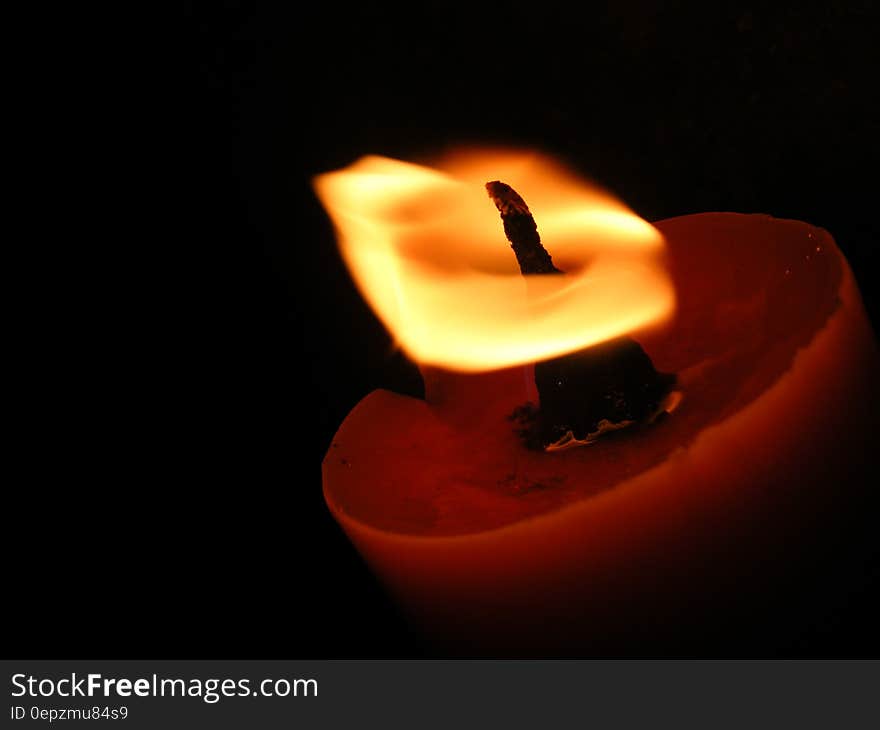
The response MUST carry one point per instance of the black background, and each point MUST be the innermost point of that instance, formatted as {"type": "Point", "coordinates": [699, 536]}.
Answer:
{"type": "Point", "coordinates": [174, 511]}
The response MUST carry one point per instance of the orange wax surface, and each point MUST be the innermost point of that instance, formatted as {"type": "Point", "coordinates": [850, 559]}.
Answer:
{"type": "Point", "coordinates": [493, 546]}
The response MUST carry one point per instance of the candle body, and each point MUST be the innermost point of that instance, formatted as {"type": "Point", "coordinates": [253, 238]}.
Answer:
{"type": "Point", "coordinates": [658, 537]}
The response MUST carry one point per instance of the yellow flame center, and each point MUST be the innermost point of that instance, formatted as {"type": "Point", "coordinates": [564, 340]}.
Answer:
{"type": "Point", "coordinates": [427, 250]}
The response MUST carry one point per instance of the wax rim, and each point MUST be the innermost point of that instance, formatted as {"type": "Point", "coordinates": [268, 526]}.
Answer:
{"type": "Point", "coordinates": [709, 438]}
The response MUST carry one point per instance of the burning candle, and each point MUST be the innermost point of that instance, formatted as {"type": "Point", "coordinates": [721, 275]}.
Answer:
{"type": "Point", "coordinates": [492, 545]}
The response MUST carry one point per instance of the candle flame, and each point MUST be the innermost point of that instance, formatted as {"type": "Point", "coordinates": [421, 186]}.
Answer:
{"type": "Point", "coordinates": [427, 250]}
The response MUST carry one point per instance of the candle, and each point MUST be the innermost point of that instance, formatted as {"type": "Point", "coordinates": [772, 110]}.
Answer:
{"type": "Point", "coordinates": [491, 546]}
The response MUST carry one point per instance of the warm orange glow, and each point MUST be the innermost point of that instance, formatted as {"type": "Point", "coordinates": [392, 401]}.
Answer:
{"type": "Point", "coordinates": [427, 249]}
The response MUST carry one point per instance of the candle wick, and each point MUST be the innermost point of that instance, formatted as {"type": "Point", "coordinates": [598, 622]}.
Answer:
{"type": "Point", "coordinates": [521, 230]}
{"type": "Point", "coordinates": [589, 393]}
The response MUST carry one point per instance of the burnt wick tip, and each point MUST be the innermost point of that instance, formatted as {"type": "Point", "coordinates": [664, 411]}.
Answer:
{"type": "Point", "coordinates": [521, 230]}
{"type": "Point", "coordinates": [506, 199]}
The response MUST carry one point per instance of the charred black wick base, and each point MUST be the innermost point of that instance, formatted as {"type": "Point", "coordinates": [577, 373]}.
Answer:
{"type": "Point", "coordinates": [598, 390]}
{"type": "Point", "coordinates": [588, 393]}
